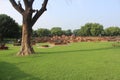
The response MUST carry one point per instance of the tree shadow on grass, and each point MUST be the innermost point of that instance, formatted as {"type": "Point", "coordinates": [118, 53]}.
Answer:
{"type": "Point", "coordinates": [9, 71]}
{"type": "Point", "coordinates": [78, 50]}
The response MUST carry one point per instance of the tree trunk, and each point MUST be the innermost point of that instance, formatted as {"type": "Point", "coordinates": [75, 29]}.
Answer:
{"type": "Point", "coordinates": [28, 21]}
{"type": "Point", "coordinates": [26, 46]}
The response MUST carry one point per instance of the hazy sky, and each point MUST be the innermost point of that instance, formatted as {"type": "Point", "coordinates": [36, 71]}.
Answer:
{"type": "Point", "coordinates": [71, 14]}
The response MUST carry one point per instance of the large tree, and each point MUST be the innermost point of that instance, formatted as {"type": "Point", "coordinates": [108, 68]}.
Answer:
{"type": "Point", "coordinates": [30, 16]}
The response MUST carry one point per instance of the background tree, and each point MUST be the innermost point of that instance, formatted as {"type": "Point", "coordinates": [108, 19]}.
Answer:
{"type": "Point", "coordinates": [76, 32]}
{"type": "Point", "coordinates": [43, 32]}
{"type": "Point", "coordinates": [96, 29]}
{"type": "Point", "coordinates": [91, 29]}
{"type": "Point", "coordinates": [67, 32]}
{"type": "Point", "coordinates": [85, 30]}
{"type": "Point", "coordinates": [112, 31]}
{"type": "Point", "coordinates": [8, 27]}
{"type": "Point", "coordinates": [56, 31]}
{"type": "Point", "coordinates": [30, 16]}
{"type": "Point", "coordinates": [34, 34]}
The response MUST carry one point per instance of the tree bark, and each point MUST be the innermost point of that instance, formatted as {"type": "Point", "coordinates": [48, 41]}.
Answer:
{"type": "Point", "coordinates": [26, 45]}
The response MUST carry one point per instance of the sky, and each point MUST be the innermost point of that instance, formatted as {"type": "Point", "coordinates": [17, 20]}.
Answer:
{"type": "Point", "coordinates": [70, 14]}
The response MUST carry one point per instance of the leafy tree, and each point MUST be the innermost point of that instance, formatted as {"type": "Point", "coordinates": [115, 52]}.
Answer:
{"type": "Point", "coordinates": [91, 29]}
{"type": "Point", "coordinates": [67, 32]}
{"type": "Point", "coordinates": [56, 31]}
{"type": "Point", "coordinates": [76, 32]}
{"type": "Point", "coordinates": [96, 29]}
{"type": "Point", "coordinates": [112, 31]}
{"type": "Point", "coordinates": [30, 16]}
{"type": "Point", "coordinates": [34, 33]}
{"type": "Point", "coordinates": [85, 30]}
{"type": "Point", "coordinates": [43, 32]}
{"type": "Point", "coordinates": [8, 27]}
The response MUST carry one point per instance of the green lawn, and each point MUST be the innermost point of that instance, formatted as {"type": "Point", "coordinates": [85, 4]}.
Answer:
{"type": "Point", "coordinates": [76, 61]}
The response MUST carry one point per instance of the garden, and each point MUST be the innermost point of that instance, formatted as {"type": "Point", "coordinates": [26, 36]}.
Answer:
{"type": "Point", "coordinates": [85, 52]}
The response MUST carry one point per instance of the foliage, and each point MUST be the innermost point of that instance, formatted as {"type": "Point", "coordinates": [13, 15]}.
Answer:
{"type": "Point", "coordinates": [91, 29]}
{"type": "Point", "coordinates": [43, 32]}
{"type": "Point", "coordinates": [96, 29]}
{"type": "Point", "coordinates": [67, 32]}
{"type": "Point", "coordinates": [8, 27]}
{"type": "Point", "coordinates": [85, 30]}
{"type": "Point", "coordinates": [77, 61]}
{"type": "Point", "coordinates": [112, 31]}
{"type": "Point", "coordinates": [56, 31]}
{"type": "Point", "coordinates": [34, 34]}
{"type": "Point", "coordinates": [77, 32]}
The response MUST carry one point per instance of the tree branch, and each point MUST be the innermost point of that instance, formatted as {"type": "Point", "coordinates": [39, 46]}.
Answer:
{"type": "Point", "coordinates": [18, 6]}
{"type": "Point", "coordinates": [40, 12]}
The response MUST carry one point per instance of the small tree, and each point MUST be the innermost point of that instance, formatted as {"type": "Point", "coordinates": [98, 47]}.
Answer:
{"type": "Point", "coordinates": [29, 19]}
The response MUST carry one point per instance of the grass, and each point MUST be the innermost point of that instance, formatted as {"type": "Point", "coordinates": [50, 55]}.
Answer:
{"type": "Point", "coordinates": [76, 61]}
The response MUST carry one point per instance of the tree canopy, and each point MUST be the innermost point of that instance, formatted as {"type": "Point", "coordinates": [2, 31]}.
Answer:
{"type": "Point", "coordinates": [67, 32]}
{"type": "Point", "coordinates": [56, 31]}
{"type": "Point", "coordinates": [91, 29]}
{"type": "Point", "coordinates": [42, 32]}
{"type": "Point", "coordinates": [112, 31]}
{"type": "Point", "coordinates": [8, 27]}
